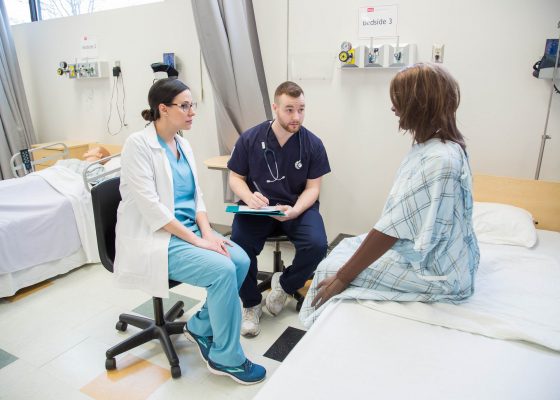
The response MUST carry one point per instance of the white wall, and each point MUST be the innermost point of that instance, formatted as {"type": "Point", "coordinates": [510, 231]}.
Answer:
{"type": "Point", "coordinates": [65, 108]}
{"type": "Point", "coordinates": [490, 48]}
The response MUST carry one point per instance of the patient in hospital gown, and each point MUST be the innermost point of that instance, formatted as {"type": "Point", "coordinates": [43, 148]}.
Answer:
{"type": "Point", "coordinates": [423, 247]}
{"type": "Point", "coordinates": [78, 166]}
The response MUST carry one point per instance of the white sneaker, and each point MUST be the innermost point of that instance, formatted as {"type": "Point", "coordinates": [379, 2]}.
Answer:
{"type": "Point", "coordinates": [250, 325]}
{"type": "Point", "coordinates": [277, 297]}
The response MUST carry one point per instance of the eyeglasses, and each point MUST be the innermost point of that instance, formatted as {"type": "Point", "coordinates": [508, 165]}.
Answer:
{"type": "Point", "coordinates": [184, 106]}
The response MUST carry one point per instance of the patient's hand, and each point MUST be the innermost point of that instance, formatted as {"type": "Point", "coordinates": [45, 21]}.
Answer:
{"type": "Point", "coordinates": [326, 289]}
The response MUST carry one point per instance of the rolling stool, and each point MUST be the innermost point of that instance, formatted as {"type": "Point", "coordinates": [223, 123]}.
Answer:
{"type": "Point", "coordinates": [278, 266]}
{"type": "Point", "coordinates": [105, 200]}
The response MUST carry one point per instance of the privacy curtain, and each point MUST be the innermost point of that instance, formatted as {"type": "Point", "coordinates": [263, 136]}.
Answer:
{"type": "Point", "coordinates": [229, 42]}
{"type": "Point", "coordinates": [16, 129]}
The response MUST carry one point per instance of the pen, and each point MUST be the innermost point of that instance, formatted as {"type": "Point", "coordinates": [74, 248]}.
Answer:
{"type": "Point", "coordinates": [258, 189]}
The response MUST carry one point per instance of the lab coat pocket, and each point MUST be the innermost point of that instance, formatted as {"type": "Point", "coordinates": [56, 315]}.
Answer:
{"type": "Point", "coordinates": [133, 255]}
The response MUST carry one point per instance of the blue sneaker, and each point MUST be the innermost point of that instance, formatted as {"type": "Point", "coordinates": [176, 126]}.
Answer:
{"type": "Point", "coordinates": [246, 373]}
{"type": "Point", "coordinates": [204, 342]}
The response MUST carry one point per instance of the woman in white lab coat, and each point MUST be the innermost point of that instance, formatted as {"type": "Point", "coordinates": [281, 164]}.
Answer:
{"type": "Point", "coordinates": [163, 232]}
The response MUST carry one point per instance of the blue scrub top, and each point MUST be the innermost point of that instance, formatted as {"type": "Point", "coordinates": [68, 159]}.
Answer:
{"type": "Point", "coordinates": [248, 159]}
{"type": "Point", "coordinates": [184, 188]}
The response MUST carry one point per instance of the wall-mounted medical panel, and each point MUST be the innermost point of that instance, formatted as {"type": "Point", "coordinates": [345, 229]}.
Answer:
{"type": "Point", "coordinates": [84, 70]}
{"type": "Point", "coordinates": [377, 56]}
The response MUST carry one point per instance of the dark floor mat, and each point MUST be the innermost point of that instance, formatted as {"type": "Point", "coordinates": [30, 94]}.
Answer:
{"type": "Point", "coordinates": [284, 344]}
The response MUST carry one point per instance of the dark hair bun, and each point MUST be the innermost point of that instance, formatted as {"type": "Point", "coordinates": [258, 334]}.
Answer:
{"type": "Point", "coordinates": [148, 115]}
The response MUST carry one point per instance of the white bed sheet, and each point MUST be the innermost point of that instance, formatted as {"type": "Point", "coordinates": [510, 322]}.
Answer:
{"type": "Point", "coordinates": [517, 296]}
{"type": "Point", "coordinates": [354, 352]}
{"type": "Point", "coordinates": [12, 282]}
{"type": "Point", "coordinates": [37, 224]}
{"type": "Point", "coordinates": [70, 185]}
{"type": "Point", "coordinates": [361, 352]}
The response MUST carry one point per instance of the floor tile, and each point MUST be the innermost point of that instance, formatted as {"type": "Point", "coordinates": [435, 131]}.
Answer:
{"type": "Point", "coordinates": [6, 358]}
{"type": "Point", "coordinates": [58, 336]}
{"type": "Point", "coordinates": [134, 379]}
{"type": "Point", "coordinates": [79, 365]}
{"type": "Point", "coordinates": [147, 308]}
{"type": "Point", "coordinates": [28, 291]}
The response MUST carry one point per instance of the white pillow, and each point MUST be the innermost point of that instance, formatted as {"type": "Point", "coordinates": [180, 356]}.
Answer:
{"type": "Point", "coordinates": [503, 224]}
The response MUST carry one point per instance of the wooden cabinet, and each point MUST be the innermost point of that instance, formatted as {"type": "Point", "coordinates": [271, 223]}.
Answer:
{"type": "Point", "coordinates": [76, 150]}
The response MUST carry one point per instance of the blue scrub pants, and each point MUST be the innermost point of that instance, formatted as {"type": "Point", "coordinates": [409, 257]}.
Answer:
{"type": "Point", "coordinates": [220, 316]}
{"type": "Point", "coordinates": [307, 233]}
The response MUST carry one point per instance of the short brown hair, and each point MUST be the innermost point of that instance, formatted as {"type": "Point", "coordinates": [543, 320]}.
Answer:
{"type": "Point", "coordinates": [290, 88]}
{"type": "Point", "coordinates": [427, 97]}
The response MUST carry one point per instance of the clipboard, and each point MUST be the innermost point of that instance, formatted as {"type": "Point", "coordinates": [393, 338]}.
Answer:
{"type": "Point", "coordinates": [264, 211]}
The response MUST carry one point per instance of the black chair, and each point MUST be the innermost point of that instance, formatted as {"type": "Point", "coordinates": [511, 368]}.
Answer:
{"type": "Point", "coordinates": [105, 199]}
{"type": "Point", "coordinates": [278, 266]}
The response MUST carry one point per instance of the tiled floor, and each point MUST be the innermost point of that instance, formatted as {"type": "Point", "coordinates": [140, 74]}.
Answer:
{"type": "Point", "coordinates": [53, 341]}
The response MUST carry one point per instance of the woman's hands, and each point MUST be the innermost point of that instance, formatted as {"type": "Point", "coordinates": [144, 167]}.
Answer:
{"type": "Point", "coordinates": [328, 288]}
{"type": "Point", "coordinates": [215, 243]}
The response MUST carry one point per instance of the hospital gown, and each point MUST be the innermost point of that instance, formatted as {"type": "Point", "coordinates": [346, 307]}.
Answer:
{"type": "Point", "coordinates": [78, 166]}
{"type": "Point", "coordinates": [429, 210]}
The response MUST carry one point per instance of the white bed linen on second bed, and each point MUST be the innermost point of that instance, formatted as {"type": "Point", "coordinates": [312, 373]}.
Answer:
{"type": "Point", "coordinates": [71, 185]}
{"type": "Point", "coordinates": [354, 352]}
{"type": "Point", "coordinates": [366, 350]}
{"type": "Point", "coordinates": [517, 296]}
{"type": "Point", "coordinates": [67, 188]}
{"type": "Point", "coordinates": [37, 224]}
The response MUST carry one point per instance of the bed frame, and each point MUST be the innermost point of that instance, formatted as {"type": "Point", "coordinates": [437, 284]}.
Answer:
{"type": "Point", "coordinates": [540, 198]}
{"type": "Point", "coordinates": [22, 162]}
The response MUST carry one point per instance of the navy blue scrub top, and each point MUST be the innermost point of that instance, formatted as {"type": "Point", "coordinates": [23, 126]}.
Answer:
{"type": "Point", "coordinates": [184, 189]}
{"type": "Point", "coordinates": [248, 159]}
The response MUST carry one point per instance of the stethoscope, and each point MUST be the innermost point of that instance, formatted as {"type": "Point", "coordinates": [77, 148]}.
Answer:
{"type": "Point", "coordinates": [298, 164]}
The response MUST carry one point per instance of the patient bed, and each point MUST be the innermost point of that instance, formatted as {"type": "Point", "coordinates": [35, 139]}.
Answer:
{"type": "Point", "coordinates": [46, 226]}
{"type": "Point", "coordinates": [504, 343]}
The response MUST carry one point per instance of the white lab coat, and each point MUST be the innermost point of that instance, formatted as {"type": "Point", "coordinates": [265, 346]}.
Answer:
{"type": "Point", "coordinates": [147, 205]}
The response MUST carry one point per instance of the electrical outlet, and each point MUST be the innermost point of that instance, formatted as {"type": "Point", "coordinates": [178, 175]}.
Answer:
{"type": "Point", "coordinates": [117, 63]}
{"type": "Point", "coordinates": [437, 52]}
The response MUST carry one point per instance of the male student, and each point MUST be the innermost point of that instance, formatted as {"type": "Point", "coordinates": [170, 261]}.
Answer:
{"type": "Point", "coordinates": [279, 163]}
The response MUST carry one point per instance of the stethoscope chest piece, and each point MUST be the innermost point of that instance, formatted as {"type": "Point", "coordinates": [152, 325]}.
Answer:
{"type": "Point", "coordinates": [298, 164]}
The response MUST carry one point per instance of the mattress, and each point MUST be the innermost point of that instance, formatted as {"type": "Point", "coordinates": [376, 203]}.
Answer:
{"type": "Point", "coordinates": [356, 351]}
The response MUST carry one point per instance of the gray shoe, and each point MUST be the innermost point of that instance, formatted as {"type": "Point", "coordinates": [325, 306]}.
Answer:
{"type": "Point", "coordinates": [250, 325]}
{"type": "Point", "coordinates": [277, 297]}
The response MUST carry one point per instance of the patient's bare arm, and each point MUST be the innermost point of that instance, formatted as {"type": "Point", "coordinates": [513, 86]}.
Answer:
{"type": "Point", "coordinates": [374, 246]}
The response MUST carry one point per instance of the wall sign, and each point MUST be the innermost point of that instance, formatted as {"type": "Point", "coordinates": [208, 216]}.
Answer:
{"type": "Point", "coordinates": [88, 47]}
{"type": "Point", "coordinates": [378, 21]}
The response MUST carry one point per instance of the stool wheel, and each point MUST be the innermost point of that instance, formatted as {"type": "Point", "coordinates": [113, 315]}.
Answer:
{"type": "Point", "coordinates": [176, 372]}
{"type": "Point", "coordinates": [121, 326]}
{"type": "Point", "coordinates": [110, 364]}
